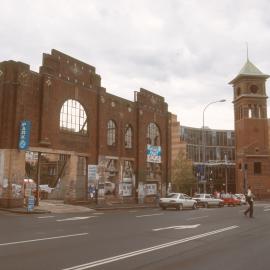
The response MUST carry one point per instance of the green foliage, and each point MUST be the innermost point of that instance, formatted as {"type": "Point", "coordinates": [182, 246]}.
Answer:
{"type": "Point", "coordinates": [183, 179]}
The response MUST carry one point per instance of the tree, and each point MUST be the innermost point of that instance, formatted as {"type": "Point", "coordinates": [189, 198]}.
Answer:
{"type": "Point", "coordinates": [183, 178]}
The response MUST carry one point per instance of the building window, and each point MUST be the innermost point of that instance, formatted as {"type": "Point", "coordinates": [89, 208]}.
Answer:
{"type": "Point", "coordinates": [253, 89]}
{"type": "Point", "coordinates": [111, 133]}
{"type": "Point", "coordinates": [73, 117]}
{"type": "Point", "coordinates": [52, 170]}
{"type": "Point", "coordinates": [257, 168]}
{"type": "Point", "coordinates": [128, 136]}
{"type": "Point", "coordinates": [153, 135]}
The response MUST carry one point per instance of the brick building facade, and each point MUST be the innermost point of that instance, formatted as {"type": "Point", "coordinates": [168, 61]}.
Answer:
{"type": "Point", "coordinates": [251, 131]}
{"type": "Point", "coordinates": [78, 128]}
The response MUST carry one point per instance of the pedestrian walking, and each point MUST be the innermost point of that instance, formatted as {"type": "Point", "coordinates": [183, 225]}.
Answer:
{"type": "Point", "coordinates": [250, 199]}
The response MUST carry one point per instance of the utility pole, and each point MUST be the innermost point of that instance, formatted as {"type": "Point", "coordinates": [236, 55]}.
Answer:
{"type": "Point", "coordinates": [204, 142]}
{"type": "Point", "coordinates": [226, 174]}
{"type": "Point", "coordinates": [38, 179]}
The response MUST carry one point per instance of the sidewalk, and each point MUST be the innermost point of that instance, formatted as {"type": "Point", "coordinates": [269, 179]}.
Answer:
{"type": "Point", "coordinates": [58, 206]}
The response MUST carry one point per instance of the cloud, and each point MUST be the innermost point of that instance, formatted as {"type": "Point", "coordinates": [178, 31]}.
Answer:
{"type": "Point", "coordinates": [186, 51]}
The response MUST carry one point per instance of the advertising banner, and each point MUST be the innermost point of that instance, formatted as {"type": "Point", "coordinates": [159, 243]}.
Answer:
{"type": "Point", "coordinates": [24, 134]}
{"type": "Point", "coordinates": [92, 172]}
{"type": "Point", "coordinates": [150, 189]}
{"type": "Point", "coordinates": [125, 189]}
{"type": "Point", "coordinates": [153, 153]}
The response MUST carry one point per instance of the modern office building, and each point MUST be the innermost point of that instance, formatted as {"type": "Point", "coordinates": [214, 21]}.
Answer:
{"type": "Point", "coordinates": [218, 170]}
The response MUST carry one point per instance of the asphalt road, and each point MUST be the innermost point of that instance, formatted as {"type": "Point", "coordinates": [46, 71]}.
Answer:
{"type": "Point", "coordinates": [152, 239]}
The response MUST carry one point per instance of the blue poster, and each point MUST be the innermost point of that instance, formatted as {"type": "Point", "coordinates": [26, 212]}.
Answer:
{"type": "Point", "coordinates": [24, 135]}
{"type": "Point", "coordinates": [153, 153]}
{"type": "Point", "coordinates": [31, 203]}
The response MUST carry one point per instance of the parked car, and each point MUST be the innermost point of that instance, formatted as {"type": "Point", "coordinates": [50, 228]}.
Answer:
{"type": "Point", "coordinates": [230, 199]}
{"type": "Point", "coordinates": [178, 201]}
{"type": "Point", "coordinates": [242, 198]}
{"type": "Point", "coordinates": [208, 200]}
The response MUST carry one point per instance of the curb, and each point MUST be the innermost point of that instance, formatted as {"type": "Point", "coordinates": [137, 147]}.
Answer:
{"type": "Point", "coordinates": [105, 208]}
{"type": "Point", "coordinates": [24, 211]}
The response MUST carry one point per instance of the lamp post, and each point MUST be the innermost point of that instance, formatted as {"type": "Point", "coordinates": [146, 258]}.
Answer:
{"type": "Point", "coordinates": [204, 140]}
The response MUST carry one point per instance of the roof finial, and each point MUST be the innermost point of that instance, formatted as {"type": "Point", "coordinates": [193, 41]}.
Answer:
{"type": "Point", "coordinates": [247, 51]}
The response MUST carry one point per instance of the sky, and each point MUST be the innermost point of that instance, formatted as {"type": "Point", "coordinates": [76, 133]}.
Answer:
{"type": "Point", "coordinates": [184, 50]}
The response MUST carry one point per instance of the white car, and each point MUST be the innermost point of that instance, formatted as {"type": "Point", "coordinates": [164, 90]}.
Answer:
{"type": "Point", "coordinates": [178, 201]}
{"type": "Point", "coordinates": [242, 198]}
{"type": "Point", "coordinates": [207, 200]}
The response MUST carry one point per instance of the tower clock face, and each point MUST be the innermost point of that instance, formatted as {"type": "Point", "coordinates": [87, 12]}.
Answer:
{"type": "Point", "coordinates": [253, 89]}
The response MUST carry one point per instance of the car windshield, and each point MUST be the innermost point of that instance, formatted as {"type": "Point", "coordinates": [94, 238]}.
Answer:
{"type": "Point", "coordinates": [198, 196]}
{"type": "Point", "coordinates": [173, 195]}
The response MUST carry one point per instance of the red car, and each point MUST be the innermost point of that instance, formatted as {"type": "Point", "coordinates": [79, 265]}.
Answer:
{"type": "Point", "coordinates": [230, 199]}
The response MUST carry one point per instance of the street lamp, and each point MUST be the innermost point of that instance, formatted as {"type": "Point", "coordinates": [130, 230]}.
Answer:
{"type": "Point", "coordinates": [204, 141]}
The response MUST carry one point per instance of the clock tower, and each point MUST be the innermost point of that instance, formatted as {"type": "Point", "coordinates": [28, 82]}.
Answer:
{"type": "Point", "coordinates": [251, 131]}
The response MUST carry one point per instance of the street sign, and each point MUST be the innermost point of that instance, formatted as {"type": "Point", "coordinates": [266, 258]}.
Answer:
{"type": "Point", "coordinates": [31, 203]}
{"type": "Point", "coordinates": [24, 134]}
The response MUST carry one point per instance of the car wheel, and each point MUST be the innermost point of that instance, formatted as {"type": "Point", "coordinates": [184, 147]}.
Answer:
{"type": "Point", "coordinates": [194, 206]}
{"type": "Point", "coordinates": [221, 205]}
{"type": "Point", "coordinates": [205, 205]}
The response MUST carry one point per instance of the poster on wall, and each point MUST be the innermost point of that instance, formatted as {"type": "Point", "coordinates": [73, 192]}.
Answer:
{"type": "Point", "coordinates": [125, 189]}
{"type": "Point", "coordinates": [150, 189]}
{"type": "Point", "coordinates": [1, 173]}
{"type": "Point", "coordinates": [153, 153]}
{"type": "Point", "coordinates": [92, 180]}
{"type": "Point", "coordinates": [92, 172]}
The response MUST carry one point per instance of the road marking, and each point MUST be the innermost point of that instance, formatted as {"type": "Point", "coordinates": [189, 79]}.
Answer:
{"type": "Point", "coordinates": [42, 239]}
{"type": "Point", "coordinates": [197, 217]}
{"type": "Point", "coordinates": [150, 215]}
{"type": "Point", "coordinates": [147, 250]}
{"type": "Point", "coordinates": [74, 218]}
{"type": "Point", "coordinates": [46, 217]}
{"type": "Point", "coordinates": [181, 227]}
{"type": "Point", "coordinates": [267, 209]}
{"type": "Point", "coordinates": [98, 213]}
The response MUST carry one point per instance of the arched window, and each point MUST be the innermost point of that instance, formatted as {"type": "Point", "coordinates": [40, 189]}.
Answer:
{"type": "Point", "coordinates": [128, 136]}
{"type": "Point", "coordinates": [73, 117]}
{"type": "Point", "coordinates": [111, 133]}
{"type": "Point", "coordinates": [153, 134]}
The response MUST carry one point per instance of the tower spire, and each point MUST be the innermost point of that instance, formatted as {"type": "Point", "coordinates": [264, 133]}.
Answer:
{"type": "Point", "coordinates": [247, 51]}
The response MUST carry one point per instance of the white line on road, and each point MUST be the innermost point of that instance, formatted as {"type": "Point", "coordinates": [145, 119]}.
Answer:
{"type": "Point", "coordinates": [147, 250]}
{"type": "Point", "coordinates": [46, 217]}
{"type": "Point", "coordinates": [42, 239]}
{"type": "Point", "coordinates": [149, 215]}
{"type": "Point", "coordinates": [74, 218]}
{"type": "Point", "coordinates": [267, 209]}
{"type": "Point", "coordinates": [197, 217]}
{"type": "Point", "coordinates": [181, 227]}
